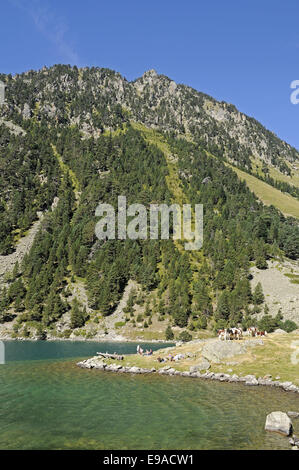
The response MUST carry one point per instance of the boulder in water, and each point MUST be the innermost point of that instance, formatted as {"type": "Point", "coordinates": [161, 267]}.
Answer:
{"type": "Point", "coordinates": [277, 421]}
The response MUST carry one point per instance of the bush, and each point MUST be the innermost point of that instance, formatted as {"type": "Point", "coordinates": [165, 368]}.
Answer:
{"type": "Point", "coordinates": [169, 334]}
{"type": "Point", "coordinates": [66, 333]}
{"type": "Point", "coordinates": [185, 336]}
{"type": "Point", "coordinates": [261, 263]}
{"type": "Point", "coordinates": [202, 322]}
{"type": "Point", "coordinates": [269, 324]}
{"type": "Point", "coordinates": [119, 324]}
{"type": "Point", "coordinates": [220, 325]}
{"type": "Point", "coordinates": [41, 333]}
{"type": "Point", "coordinates": [288, 326]}
{"type": "Point", "coordinates": [26, 332]}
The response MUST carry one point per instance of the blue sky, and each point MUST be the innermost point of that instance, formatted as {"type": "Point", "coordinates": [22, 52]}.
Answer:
{"type": "Point", "coordinates": [244, 52]}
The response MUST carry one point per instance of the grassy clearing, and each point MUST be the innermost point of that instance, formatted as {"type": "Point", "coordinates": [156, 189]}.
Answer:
{"type": "Point", "coordinates": [274, 358]}
{"type": "Point", "coordinates": [287, 204]}
{"type": "Point", "coordinates": [257, 166]}
{"type": "Point", "coordinates": [292, 276]}
{"type": "Point", "coordinates": [66, 170]}
{"type": "Point", "coordinates": [173, 182]}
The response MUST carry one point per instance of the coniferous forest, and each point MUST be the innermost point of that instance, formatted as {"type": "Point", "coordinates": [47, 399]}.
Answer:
{"type": "Point", "coordinates": [83, 136]}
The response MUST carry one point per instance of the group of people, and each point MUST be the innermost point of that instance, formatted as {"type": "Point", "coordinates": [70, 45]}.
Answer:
{"type": "Point", "coordinates": [170, 357]}
{"type": "Point", "coordinates": [142, 353]}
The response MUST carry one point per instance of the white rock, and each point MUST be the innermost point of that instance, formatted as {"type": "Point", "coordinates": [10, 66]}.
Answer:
{"type": "Point", "coordinates": [277, 421]}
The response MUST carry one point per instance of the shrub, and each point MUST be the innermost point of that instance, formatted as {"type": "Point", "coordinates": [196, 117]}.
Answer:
{"type": "Point", "coordinates": [288, 326]}
{"type": "Point", "coordinates": [169, 334]}
{"type": "Point", "coordinates": [202, 322]}
{"type": "Point", "coordinates": [185, 336]}
{"type": "Point", "coordinates": [119, 324]}
{"type": "Point", "coordinates": [261, 263]}
{"type": "Point", "coordinates": [67, 333]}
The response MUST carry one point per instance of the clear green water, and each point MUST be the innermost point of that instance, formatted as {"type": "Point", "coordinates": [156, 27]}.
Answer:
{"type": "Point", "coordinates": [47, 402]}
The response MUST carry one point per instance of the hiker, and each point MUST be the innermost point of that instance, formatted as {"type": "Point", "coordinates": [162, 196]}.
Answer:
{"type": "Point", "coordinates": [160, 359]}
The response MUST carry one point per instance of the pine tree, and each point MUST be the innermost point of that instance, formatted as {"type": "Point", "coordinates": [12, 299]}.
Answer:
{"type": "Point", "coordinates": [169, 334]}
{"type": "Point", "coordinates": [77, 315]}
{"type": "Point", "coordinates": [223, 307]}
{"type": "Point", "coordinates": [258, 294]}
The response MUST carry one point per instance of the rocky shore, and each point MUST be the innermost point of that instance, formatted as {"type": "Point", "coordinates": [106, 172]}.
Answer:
{"type": "Point", "coordinates": [248, 380]}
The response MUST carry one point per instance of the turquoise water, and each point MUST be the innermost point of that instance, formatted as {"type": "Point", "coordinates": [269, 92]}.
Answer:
{"type": "Point", "coordinates": [47, 402]}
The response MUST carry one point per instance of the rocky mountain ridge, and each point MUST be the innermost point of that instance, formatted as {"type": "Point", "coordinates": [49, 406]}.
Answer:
{"type": "Point", "coordinates": [71, 96]}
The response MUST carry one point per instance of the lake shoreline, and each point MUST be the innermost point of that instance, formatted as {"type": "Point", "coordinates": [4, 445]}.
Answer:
{"type": "Point", "coordinates": [250, 361]}
{"type": "Point", "coordinates": [249, 380]}
{"type": "Point", "coordinates": [177, 413]}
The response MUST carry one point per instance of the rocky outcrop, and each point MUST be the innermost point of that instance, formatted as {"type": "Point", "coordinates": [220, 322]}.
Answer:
{"type": "Point", "coordinates": [118, 315]}
{"type": "Point", "coordinates": [216, 350]}
{"type": "Point", "coordinates": [153, 99]}
{"type": "Point", "coordinates": [23, 246]}
{"type": "Point", "coordinates": [279, 290]}
{"type": "Point", "coordinates": [204, 364]}
{"type": "Point", "coordinates": [14, 128]}
{"type": "Point", "coordinates": [277, 421]}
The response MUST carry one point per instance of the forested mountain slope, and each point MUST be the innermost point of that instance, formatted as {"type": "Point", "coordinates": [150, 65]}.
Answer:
{"type": "Point", "coordinates": [89, 136]}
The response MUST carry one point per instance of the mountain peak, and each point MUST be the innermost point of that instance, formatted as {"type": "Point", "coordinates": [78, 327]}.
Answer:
{"type": "Point", "coordinates": [150, 73]}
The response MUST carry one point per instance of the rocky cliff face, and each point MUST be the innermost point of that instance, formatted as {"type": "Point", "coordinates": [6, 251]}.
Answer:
{"type": "Point", "coordinates": [70, 96]}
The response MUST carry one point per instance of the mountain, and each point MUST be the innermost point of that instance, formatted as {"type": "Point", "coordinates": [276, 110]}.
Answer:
{"type": "Point", "coordinates": [91, 99]}
{"type": "Point", "coordinates": [71, 138]}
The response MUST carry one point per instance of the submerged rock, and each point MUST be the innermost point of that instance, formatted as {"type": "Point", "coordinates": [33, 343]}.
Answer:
{"type": "Point", "coordinates": [277, 421]}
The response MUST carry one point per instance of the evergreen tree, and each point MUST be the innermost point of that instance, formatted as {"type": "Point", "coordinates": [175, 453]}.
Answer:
{"type": "Point", "coordinates": [258, 294]}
